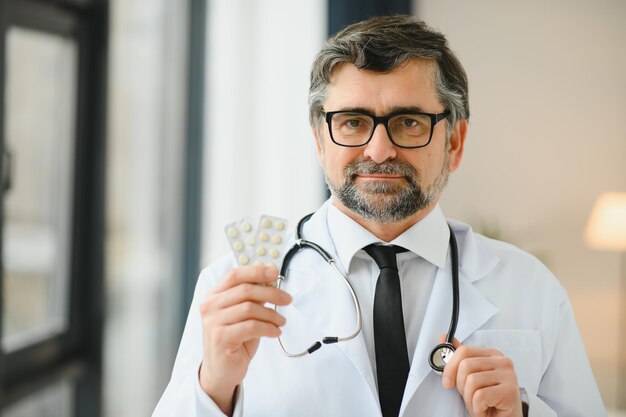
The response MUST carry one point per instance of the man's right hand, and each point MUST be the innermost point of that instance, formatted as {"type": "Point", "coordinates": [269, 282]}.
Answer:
{"type": "Point", "coordinates": [234, 319]}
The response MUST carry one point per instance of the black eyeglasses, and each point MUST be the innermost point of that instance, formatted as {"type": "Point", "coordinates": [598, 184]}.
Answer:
{"type": "Point", "coordinates": [405, 129]}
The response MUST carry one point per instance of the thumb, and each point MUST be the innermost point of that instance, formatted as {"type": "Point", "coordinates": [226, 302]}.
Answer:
{"type": "Point", "coordinates": [455, 341]}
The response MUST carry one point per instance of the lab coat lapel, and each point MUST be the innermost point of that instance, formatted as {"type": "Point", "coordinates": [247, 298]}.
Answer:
{"type": "Point", "coordinates": [325, 301]}
{"type": "Point", "coordinates": [474, 309]}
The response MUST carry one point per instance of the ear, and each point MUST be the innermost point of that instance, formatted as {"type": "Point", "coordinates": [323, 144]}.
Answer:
{"type": "Point", "coordinates": [457, 144]}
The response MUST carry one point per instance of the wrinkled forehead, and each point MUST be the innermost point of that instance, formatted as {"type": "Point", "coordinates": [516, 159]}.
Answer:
{"type": "Point", "coordinates": [410, 84]}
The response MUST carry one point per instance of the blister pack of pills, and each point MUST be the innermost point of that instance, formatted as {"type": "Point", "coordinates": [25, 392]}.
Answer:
{"type": "Point", "coordinates": [260, 245]}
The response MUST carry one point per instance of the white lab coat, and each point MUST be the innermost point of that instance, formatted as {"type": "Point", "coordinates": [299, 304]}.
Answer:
{"type": "Point", "coordinates": [509, 301]}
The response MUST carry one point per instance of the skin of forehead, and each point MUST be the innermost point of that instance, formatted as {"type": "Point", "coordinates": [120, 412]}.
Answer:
{"type": "Point", "coordinates": [392, 83]}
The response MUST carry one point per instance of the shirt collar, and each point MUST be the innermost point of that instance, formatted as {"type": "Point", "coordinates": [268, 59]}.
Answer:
{"type": "Point", "coordinates": [427, 238]}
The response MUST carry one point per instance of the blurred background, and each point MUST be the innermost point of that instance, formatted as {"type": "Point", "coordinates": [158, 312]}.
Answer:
{"type": "Point", "coordinates": [132, 131]}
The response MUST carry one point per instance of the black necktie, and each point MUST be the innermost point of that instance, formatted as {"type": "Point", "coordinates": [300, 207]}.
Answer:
{"type": "Point", "coordinates": [392, 358]}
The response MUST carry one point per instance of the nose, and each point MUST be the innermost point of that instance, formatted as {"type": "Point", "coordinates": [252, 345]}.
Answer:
{"type": "Point", "coordinates": [380, 148]}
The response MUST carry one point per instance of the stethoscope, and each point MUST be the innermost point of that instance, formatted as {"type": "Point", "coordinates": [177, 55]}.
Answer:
{"type": "Point", "coordinates": [441, 353]}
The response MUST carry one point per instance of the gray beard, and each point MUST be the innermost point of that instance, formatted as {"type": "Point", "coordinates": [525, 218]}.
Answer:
{"type": "Point", "coordinates": [382, 202]}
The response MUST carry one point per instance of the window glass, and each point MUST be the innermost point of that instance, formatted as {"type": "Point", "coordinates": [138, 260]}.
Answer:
{"type": "Point", "coordinates": [39, 157]}
{"type": "Point", "coordinates": [52, 401]}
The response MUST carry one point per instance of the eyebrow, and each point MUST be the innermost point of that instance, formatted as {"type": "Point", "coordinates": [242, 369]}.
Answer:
{"type": "Point", "coordinates": [393, 110]}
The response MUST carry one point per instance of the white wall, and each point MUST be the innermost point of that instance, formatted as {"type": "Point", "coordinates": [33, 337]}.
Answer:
{"type": "Point", "coordinates": [548, 99]}
{"type": "Point", "coordinates": [258, 60]}
{"type": "Point", "coordinates": [147, 70]}
{"type": "Point", "coordinates": [260, 155]}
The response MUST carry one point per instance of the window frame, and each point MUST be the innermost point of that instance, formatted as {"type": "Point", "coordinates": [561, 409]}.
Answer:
{"type": "Point", "coordinates": [75, 353]}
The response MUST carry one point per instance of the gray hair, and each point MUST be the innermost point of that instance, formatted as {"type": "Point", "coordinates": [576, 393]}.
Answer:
{"type": "Point", "coordinates": [383, 44]}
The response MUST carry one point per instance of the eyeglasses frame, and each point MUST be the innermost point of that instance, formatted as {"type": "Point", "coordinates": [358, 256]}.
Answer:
{"type": "Point", "coordinates": [434, 119]}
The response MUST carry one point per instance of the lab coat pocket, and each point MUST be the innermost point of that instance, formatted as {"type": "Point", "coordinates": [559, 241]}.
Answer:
{"type": "Point", "coordinates": [523, 347]}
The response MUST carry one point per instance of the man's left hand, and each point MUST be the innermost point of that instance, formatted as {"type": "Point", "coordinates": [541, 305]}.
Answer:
{"type": "Point", "coordinates": [486, 380]}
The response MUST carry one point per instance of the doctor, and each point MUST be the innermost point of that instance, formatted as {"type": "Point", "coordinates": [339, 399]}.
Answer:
{"type": "Point", "coordinates": [389, 110]}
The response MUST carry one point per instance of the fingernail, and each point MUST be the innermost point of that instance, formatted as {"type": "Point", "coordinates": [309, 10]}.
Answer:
{"type": "Point", "coordinates": [446, 382]}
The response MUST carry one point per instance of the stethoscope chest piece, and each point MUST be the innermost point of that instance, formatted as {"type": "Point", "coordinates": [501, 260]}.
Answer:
{"type": "Point", "coordinates": [440, 356]}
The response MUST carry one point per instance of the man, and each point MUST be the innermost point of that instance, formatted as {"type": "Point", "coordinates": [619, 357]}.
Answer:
{"type": "Point", "coordinates": [389, 109]}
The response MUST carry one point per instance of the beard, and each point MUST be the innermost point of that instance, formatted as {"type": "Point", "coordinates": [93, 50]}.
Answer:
{"type": "Point", "coordinates": [385, 201]}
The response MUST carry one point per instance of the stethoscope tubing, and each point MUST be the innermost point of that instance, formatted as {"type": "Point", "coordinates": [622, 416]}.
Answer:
{"type": "Point", "coordinates": [302, 244]}
{"type": "Point", "coordinates": [454, 257]}
{"type": "Point", "coordinates": [447, 347]}
{"type": "Point", "coordinates": [441, 353]}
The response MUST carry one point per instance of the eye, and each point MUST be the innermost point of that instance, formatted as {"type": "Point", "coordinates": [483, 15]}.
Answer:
{"type": "Point", "coordinates": [353, 122]}
{"type": "Point", "coordinates": [410, 124]}
{"type": "Point", "coordinates": [350, 122]}
{"type": "Point", "coordinates": [410, 121]}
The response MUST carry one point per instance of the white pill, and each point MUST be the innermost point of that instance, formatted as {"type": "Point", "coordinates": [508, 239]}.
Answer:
{"type": "Point", "coordinates": [261, 251]}
{"type": "Point", "coordinates": [251, 240]}
{"type": "Point", "coordinates": [279, 225]}
{"type": "Point", "coordinates": [258, 263]}
{"type": "Point", "coordinates": [246, 227]}
{"type": "Point", "coordinates": [266, 223]}
{"type": "Point", "coordinates": [243, 260]}
{"type": "Point", "coordinates": [271, 264]}
{"type": "Point", "coordinates": [232, 232]}
{"type": "Point", "coordinates": [277, 239]}
{"type": "Point", "coordinates": [274, 253]}
{"type": "Point", "coordinates": [238, 245]}
{"type": "Point", "coordinates": [263, 237]}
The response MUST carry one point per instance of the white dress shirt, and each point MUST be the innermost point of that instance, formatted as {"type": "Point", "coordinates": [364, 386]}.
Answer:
{"type": "Point", "coordinates": [427, 244]}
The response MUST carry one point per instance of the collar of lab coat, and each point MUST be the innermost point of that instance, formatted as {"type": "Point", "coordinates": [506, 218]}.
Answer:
{"type": "Point", "coordinates": [324, 300]}
{"type": "Point", "coordinates": [427, 238]}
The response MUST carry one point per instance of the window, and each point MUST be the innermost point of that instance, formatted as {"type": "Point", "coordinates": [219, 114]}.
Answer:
{"type": "Point", "coordinates": [51, 136]}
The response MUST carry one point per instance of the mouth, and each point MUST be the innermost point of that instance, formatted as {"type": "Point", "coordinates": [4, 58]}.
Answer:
{"type": "Point", "coordinates": [379, 177]}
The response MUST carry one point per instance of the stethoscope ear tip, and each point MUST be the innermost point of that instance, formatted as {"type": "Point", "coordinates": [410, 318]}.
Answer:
{"type": "Point", "coordinates": [440, 356]}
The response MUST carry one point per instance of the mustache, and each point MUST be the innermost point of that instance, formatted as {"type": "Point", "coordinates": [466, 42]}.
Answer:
{"type": "Point", "coordinates": [367, 166]}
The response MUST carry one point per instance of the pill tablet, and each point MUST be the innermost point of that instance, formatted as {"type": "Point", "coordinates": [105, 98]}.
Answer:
{"type": "Point", "coordinates": [239, 233]}
{"type": "Point", "coordinates": [260, 245]}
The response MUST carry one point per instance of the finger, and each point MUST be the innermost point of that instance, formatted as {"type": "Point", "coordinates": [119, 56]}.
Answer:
{"type": "Point", "coordinates": [246, 292]}
{"type": "Point", "coordinates": [463, 352]}
{"type": "Point", "coordinates": [455, 342]}
{"type": "Point", "coordinates": [255, 274]}
{"type": "Point", "coordinates": [471, 366]}
{"type": "Point", "coordinates": [250, 311]}
{"type": "Point", "coordinates": [235, 335]}
{"type": "Point", "coordinates": [474, 384]}
{"type": "Point", "coordinates": [503, 397]}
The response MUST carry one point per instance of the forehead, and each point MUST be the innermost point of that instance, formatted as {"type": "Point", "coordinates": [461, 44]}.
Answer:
{"type": "Point", "coordinates": [409, 85]}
